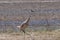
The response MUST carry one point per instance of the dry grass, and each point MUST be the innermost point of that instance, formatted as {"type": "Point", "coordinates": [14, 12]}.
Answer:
{"type": "Point", "coordinates": [53, 35]}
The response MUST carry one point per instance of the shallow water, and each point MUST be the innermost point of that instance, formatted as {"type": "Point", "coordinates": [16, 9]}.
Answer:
{"type": "Point", "coordinates": [32, 23]}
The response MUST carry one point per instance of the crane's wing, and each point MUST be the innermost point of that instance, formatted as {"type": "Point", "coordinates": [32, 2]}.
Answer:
{"type": "Point", "coordinates": [24, 22]}
{"type": "Point", "coordinates": [21, 24]}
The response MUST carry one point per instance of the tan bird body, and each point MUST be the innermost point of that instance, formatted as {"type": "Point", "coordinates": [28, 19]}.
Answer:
{"type": "Point", "coordinates": [24, 25]}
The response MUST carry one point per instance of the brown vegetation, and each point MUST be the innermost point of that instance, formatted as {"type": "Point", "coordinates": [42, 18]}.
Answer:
{"type": "Point", "coordinates": [53, 35]}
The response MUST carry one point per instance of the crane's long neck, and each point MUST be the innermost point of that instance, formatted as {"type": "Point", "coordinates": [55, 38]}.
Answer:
{"type": "Point", "coordinates": [27, 20]}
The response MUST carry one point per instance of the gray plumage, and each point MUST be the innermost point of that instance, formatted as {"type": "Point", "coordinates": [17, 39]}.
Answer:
{"type": "Point", "coordinates": [24, 25]}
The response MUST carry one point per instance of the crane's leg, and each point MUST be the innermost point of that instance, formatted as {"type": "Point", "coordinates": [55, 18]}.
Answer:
{"type": "Point", "coordinates": [24, 34]}
{"type": "Point", "coordinates": [30, 35]}
{"type": "Point", "coordinates": [23, 31]}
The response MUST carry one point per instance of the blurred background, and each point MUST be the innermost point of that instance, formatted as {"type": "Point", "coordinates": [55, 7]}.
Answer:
{"type": "Point", "coordinates": [44, 15]}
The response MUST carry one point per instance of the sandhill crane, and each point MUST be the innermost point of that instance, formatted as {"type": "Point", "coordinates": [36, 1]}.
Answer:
{"type": "Point", "coordinates": [24, 25]}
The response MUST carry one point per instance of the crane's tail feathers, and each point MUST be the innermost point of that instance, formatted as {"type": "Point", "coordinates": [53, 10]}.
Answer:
{"type": "Point", "coordinates": [18, 26]}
